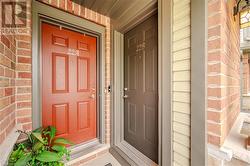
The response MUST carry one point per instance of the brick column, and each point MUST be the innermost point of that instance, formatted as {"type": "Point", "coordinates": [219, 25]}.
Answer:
{"type": "Point", "coordinates": [223, 70]}
{"type": "Point", "coordinates": [245, 74]}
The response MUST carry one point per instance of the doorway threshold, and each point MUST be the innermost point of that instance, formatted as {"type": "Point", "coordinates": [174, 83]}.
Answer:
{"type": "Point", "coordinates": [82, 153]}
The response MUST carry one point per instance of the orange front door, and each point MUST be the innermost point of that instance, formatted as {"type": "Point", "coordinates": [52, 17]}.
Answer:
{"type": "Point", "coordinates": [69, 83]}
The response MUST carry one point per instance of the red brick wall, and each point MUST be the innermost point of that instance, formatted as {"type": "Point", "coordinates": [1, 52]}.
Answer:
{"type": "Point", "coordinates": [16, 76]}
{"type": "Point", "coordinates": [7, 84]}
{"type": "Point", "coordinates": [15, 80]}
{"type": "Point", "coordinates": [223, 69]}
{"type": "Point", "coordinates": [23, 76]}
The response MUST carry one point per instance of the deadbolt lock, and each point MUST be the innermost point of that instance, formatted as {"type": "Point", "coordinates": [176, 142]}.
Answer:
{"type": "Point", "coordinates": [125, 96]}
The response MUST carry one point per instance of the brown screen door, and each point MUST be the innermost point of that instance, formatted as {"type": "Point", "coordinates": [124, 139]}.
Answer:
{"type": "Point", "coordinates": [141, 88]}
{"type": "Point", "coordinates": [69, 83]}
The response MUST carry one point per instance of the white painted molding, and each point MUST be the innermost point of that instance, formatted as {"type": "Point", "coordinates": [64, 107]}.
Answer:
{"type": "Point", "coordinates": [8, 144]}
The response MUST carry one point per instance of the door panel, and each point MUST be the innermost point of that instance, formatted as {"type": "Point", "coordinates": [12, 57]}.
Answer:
{"type": "Point", "coordinates": [60, 118]}
{"type": "Point", "coordinates": [60, 73]}
{"type": "Point", "coordinates": [83, 115]}
{"type": "Point", "coordinates": [141, 88]}
{"type": "Point", "coordinates": [82, 74]}
{"type": "Point", "coordinates": [69, 83]}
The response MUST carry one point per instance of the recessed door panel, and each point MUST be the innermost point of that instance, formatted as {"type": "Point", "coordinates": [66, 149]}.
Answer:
{"type": "Point", "coordinates": [83, 115]}
{"type": "Point", "coordinates": [82, 74]}
{"type": "Point", "coordinates": [60, 118]}
{"type": "Point", "coordinates": [132, 71]}
{"type": "Point", "coordinates": [69, 83]}
{"type": "Point", "coordinates": [60, 73]}
{"type": "Point", "coordinates": [60, 40]}
{"type": "Point", "coordinates": [149, 72]}
{"type": "Point", "coordinates": [141, 88]}
{"type": "Point", "coordinates": [132, 118]}
{"type": "Point", "coordinates": [82, 46]}
{"type": "Point", "coordinates": [149, 120]}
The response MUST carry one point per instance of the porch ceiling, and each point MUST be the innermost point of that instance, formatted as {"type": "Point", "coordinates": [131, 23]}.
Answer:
{"type": "Point", "coordinates": [111, 8]}
{"type": "Point", "coordinates": [117, 10]}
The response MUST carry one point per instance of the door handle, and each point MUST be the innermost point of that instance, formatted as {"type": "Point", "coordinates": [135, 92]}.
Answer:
{"type": "Point", "coordinates": [92, 96]}
{"type": "Point", "coordinates": [125, 96]}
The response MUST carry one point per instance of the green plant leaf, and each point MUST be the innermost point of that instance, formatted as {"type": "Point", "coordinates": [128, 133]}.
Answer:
{"type": "Point", "coordinates": [38, 136]}
{"type": "Point", "coordinates": [58, 148]}
{"type": "Point", "coordinates": [38, 151]}
{"type": "Point", "coordinates": [30, 138]}
{"type": "Point", "coordinates": [37, 146]}
{"type": "Point", "coordinates": [38, 130]}
{"type": "Point", "coordinates": [62, 141]}
{"type": "Point", "coordinates": [15, 153]}
{"type": "Point", "coordinates": [47, 156]}
{"type": "Point", "coordinates": [52, 133]}
{"type": "Point", "coordinates": [23, 160]}
{"type": "Point", "coordinates": [25, 144]}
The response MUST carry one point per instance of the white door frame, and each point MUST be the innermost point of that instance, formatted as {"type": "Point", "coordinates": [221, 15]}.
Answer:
{"type": "Point", "coordinates": [133, 156]}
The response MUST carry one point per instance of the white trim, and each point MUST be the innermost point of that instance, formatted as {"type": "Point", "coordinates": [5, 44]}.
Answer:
{"type": "Point", "coordinates": [165, 31]}
{"type": "Point", "coordinates": [8, 144]}
{"type": "Point", "coordinates": [118, 129]}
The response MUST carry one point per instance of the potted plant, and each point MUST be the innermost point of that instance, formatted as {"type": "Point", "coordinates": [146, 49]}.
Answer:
{"type": "Point", "coordinates": [41, 148]}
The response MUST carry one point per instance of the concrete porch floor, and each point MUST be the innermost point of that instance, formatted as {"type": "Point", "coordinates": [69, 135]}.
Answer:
{"type": "Point", "coordinates": [236, 141]}
{"type": "Point", "coordinates": [104, 160]}
{"type": "Point", "coordinates": [234, 162]}
{"type": "Point", "coordinates": [108, 160]}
